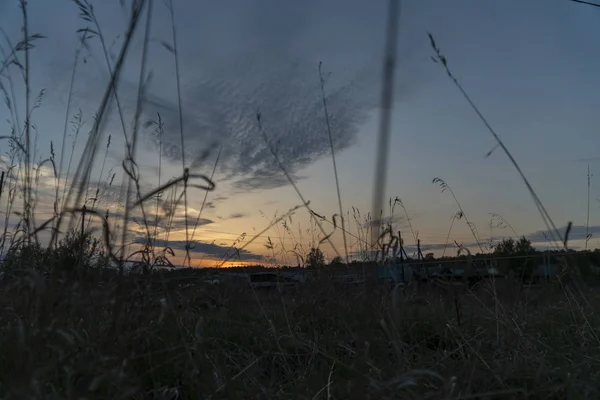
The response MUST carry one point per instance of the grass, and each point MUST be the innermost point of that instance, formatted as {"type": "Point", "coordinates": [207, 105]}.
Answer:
{"type": "Point", "coordinates": [75, 325]}
{"type": "Point", "coordinates": [162, 337]}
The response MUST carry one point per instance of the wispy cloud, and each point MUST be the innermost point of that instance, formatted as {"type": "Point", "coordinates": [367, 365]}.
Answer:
{"type": "Point", "coordinates": [578, 232]}
{"type": "Point", "coordinates": [286, 93]}
{"type": "Point", "coordinates": [237, 215]}
{"type": "Point", "coordinates": [253, 65]}
{"type": "Point", "coordinates": [211, 250]}
{"type": "Point", "coordinates": [176, 223]}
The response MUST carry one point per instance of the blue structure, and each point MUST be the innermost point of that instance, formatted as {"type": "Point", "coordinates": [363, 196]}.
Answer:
{"type": "Point", "coordinates": [397, 273]}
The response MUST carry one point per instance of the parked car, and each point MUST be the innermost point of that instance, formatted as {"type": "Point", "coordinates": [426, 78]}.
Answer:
{"type": "Point", "coordinates": [448, 274]}
{"type": "Point", "coordinates": [271, 280]}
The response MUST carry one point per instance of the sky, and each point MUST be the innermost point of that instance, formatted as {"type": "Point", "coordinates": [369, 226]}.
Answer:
{"type": "Point", "coordinates": [531, 68]}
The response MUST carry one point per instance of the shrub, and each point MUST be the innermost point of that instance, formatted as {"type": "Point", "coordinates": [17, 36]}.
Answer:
{"type": "Point", "coordinates": [75, 252]}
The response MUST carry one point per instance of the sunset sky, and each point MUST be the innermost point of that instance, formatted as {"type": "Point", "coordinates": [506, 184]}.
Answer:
{"type": "Point", "coordinates": [532, 67]}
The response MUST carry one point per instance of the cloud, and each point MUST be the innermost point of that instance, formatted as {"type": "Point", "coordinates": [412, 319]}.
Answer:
{"type": "Point", "coordinates": [209, 249]}
{"type": "Point", "coordinates": [286, 93]}
{"type": "Point", "coordinates": [236, 60]}
{"type": "Point", "coordinates": [578, 232]}
{"type": "Point", "coordinates": [178, 222]}
{"type": "Point", "coordinates": [537, 238]}
{"type": "Point", "coordinates": [270, 202]}
{"type": "Point", "coordinates": [265, 179]}
{"type": "Point", "coordinates": [237, 215]}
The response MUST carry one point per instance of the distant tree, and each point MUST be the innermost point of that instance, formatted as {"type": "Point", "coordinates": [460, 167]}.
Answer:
{"type": "Point", "coordinates": [337, 261]}
{"type": "Point", "coordinates": [520, 250]}
{"type": "Point", "coordinates": [505, 248]}
{"type": "Point", "coordinates": [429, 257]}
{"type": "Point", "coordinates": [315, 258]}
{"type": "Point", "coordinates": [595, 257]}
{"type": "Point", "coordinates": [511, 247]}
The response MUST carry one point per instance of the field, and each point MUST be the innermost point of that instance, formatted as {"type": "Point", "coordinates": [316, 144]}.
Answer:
{"type": "Point", "coordinates": [102, 336]}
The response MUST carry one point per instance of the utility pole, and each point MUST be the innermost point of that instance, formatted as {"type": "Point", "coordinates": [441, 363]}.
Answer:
{"type": "Point", "coordinates": [420, 258]}
{"type": "Point", "coordinates": [401, 255]}
{"type": "Point", "coordinates": [83, 222]}
{"type": "Point", "coordinates": [587, 222]}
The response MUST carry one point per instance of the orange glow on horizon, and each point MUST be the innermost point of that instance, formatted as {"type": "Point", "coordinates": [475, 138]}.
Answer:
{"type": "Point", "coordinates": [211, 263]}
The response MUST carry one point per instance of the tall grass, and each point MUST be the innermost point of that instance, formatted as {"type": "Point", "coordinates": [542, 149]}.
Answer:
{"type": "Point", "coordinates": [335, 171]}
{"type": "Point", "coordinates": [461, 213]}
{"type": "Point", "coordinates": [231, 342]}
{"type": "Point", "coordinates": [574, 275]}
